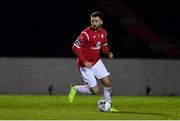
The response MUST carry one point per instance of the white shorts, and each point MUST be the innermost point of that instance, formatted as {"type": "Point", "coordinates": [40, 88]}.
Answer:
{"type": "Point", "coordinates": [98, 71]}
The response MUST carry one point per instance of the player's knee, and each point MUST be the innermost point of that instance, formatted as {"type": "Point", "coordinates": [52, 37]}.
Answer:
{"type": "Point", "coordinates": [107, 84]}
{"type": "Point", "coordinates": [95, 91]}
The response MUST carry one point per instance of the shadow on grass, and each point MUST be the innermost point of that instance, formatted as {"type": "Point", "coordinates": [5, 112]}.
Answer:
{"type": "Point", "coordinates": [144, 113]}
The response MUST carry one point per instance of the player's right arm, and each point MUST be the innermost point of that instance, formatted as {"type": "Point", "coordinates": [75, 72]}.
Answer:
{"type": "Point", "coordinates": [82, 39]}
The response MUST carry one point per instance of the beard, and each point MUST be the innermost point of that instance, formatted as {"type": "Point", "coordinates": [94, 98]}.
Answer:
{"type": "Point", "coordinates": [95, 27]}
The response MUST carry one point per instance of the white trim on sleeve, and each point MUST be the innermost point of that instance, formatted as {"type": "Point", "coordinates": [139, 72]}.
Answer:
{"type": "Point", "coordinates": [86, 35]}
{"type": "Point", "coordinates": [76, 45]}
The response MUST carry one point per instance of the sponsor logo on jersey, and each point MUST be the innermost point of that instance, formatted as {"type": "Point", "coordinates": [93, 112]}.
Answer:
{"type": "Point", "coordinates": [98, 46]}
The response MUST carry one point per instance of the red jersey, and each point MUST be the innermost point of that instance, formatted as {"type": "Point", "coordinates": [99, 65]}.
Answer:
{"type": "Point", "coordinates": [88, 44]}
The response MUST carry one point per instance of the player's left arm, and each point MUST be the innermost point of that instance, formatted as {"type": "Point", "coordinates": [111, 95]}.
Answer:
{"type": "Point", "coordinates": [105, 48]}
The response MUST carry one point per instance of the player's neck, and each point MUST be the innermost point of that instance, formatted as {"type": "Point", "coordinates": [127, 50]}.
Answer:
{"type": "Point", "coordinates": [95, 29]}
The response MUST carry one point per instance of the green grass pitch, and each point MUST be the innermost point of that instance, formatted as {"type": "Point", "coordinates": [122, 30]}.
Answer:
{"type": "Point", "coordinates": [55, 107]}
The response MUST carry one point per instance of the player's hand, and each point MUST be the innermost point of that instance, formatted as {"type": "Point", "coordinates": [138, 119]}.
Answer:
{"type": "Point", "coordinates": [88, 64]}
{"type": "Point", "coordinates": [110, 55]}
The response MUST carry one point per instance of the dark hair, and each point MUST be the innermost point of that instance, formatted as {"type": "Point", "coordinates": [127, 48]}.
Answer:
{"type": "Point", "coordinates": [97, 14]}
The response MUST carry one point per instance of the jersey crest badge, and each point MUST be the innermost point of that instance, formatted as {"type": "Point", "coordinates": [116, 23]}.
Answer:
{"type": "Point", "coordinates": [102, 35]}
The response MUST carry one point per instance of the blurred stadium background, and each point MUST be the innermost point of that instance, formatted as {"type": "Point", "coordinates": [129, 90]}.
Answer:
{"type": "Point", "coordinates": [36, 40]}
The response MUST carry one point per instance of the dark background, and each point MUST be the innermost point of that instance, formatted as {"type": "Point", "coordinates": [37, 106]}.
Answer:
{"type": "Point", "coordinates": [48, 29]}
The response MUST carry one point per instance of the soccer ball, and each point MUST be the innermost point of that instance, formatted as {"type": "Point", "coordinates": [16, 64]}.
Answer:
{"type": "Point", "coordinates": [104, 105]}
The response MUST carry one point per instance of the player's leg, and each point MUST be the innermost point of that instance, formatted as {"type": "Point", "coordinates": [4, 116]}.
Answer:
{"type": "Point", "coordinates": [86, 89]}
{"type": "Point", "coordinates": [102, 74]}
{"type": "Point", "coordinates": [107, 88]}
{"type": "Point", "coordinates": [90, 87]}
{"type": "Point", "coordinates": [108, 91]}
{"type": "Point", "coordinates": [74, 89]}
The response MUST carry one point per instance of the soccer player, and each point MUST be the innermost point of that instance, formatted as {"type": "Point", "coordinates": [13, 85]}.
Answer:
{"type": "Point", "coordinates": [87, 48]}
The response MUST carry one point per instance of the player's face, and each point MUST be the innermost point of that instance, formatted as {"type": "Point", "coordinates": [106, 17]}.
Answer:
{"type": "Point", "coordinates": [96, 22]}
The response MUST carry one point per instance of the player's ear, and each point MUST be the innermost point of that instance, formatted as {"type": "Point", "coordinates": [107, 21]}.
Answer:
{"type": "Point", "coordinates": [101, 22]}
